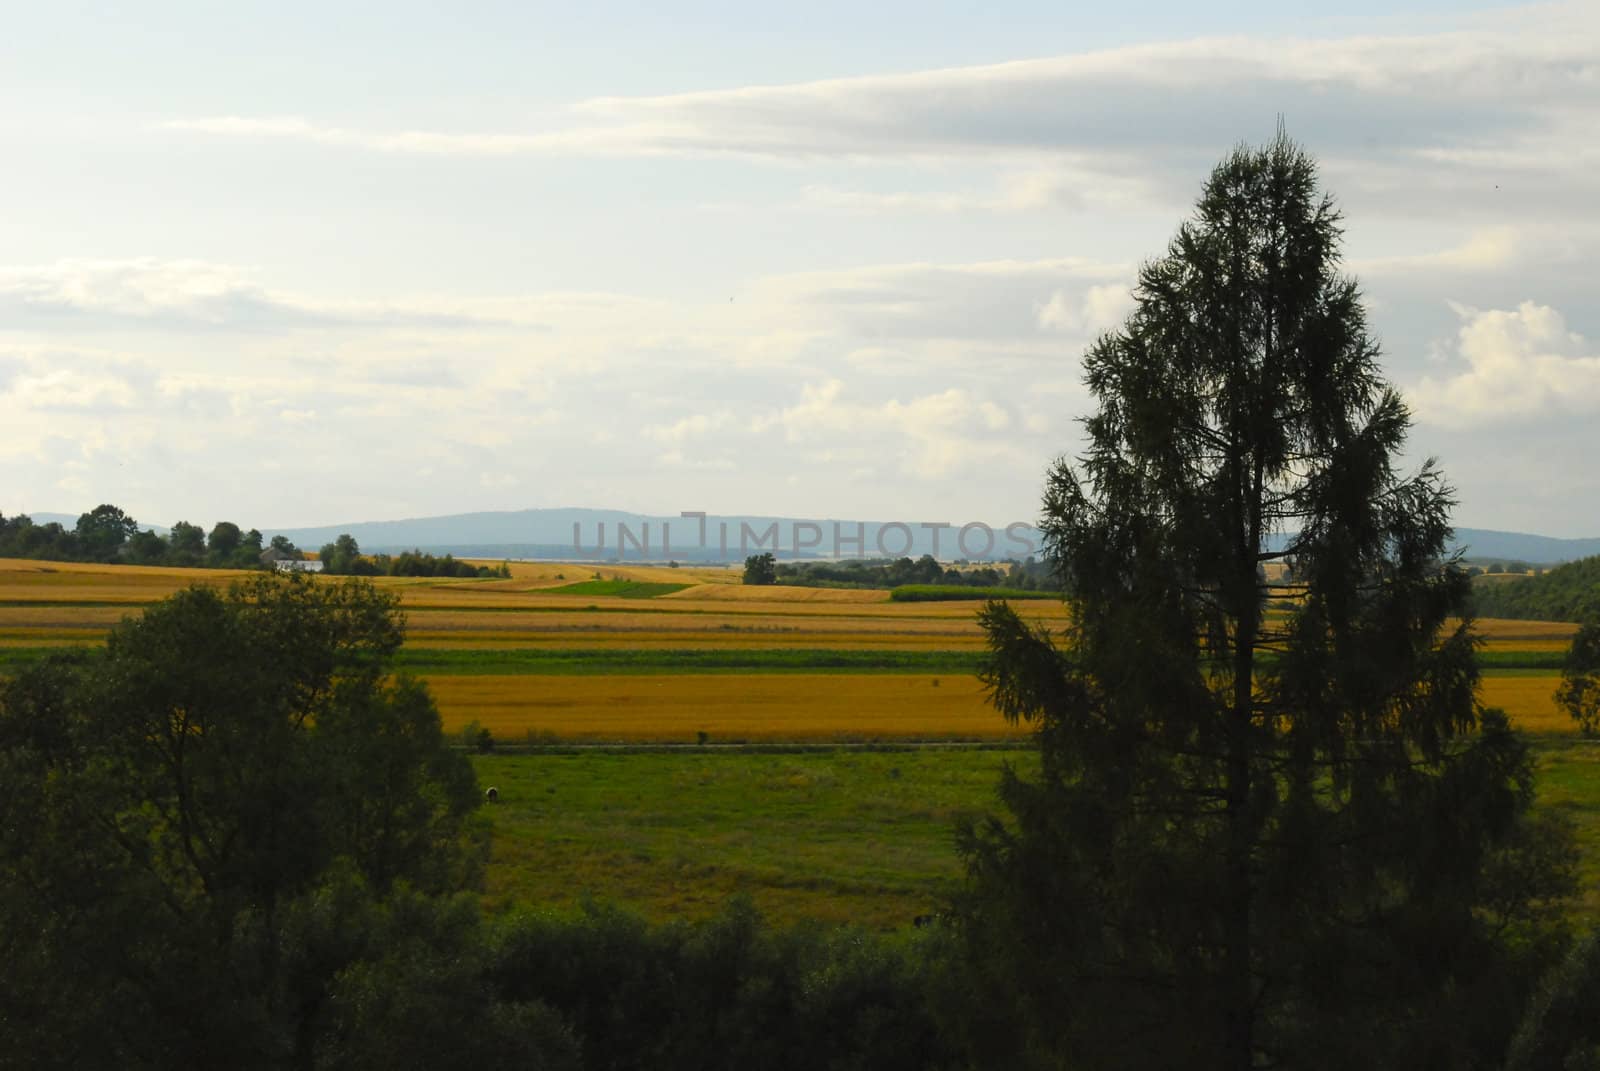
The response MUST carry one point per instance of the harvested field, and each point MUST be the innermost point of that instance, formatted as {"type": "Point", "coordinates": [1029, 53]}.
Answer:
{"type": "Point", "coordinates": [858, 636]}
{"type": "Point", "coordinates": [728, 708]}
{"type": "Point", "coordinates": [1529, 700]}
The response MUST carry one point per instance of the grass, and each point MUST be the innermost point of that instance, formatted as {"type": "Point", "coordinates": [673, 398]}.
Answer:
{"type": "Point", "coordinates": [861, 836]}
{"type": "Point", "coordinates": [1569, 782]}
{"type": "Point", "coordinates": [622, 589]}
{"type": "Point", "coordinates": [1549, 659]}
{"type": "Point", "coordinates": [864, 837]}
{"type": "Point", "coordinates": [961, 593]}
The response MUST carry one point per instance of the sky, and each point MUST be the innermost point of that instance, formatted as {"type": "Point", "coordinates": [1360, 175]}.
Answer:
{"type": "Point", "coordinates": [291, 264]}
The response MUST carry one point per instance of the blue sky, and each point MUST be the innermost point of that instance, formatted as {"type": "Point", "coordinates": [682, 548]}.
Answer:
{"type": "Point", "coordinates": [293, 264]}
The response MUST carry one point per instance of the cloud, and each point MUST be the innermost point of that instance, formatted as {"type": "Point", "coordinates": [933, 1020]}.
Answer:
{"type": "Point", "coordinates": [1091, 312]}
{"type": "Point", "coordinates": [692, 427]}
{"type": "Point", "coordinates": [1061, 186]}
{"type": "Point", "coordinates": [1521, 364]}
{"type": "Point", "coordinates": [1491, 250]}
{"type": "Point", "coordinates": [990, 300]}
{"type": "Point", "coordinates": [197, 294]}
{"type": "Point", "coordinates": [931, 436]}
{"type": "Point", "coordinates": [1472, 93]}
{"type": "Point", "coordinates": [72, 389]}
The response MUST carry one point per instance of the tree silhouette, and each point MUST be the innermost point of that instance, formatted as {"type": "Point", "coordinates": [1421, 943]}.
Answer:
{"type": "Point", "coordinates": [1271, 819]}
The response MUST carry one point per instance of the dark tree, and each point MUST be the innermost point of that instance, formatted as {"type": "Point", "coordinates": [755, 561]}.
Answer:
{"type": "Point", "coordinates": [223, 543]}
{"type": "Point", "coordinates": [188, 815]}
{"type": "Point", "coordinates": [1579, 691]}
{"type": "Point", "coordinates": [761, 569]}
{"type": "Point", "coordinates": [103, 530]}
{"type": "Point", "coordinates": [146, 548]}
{"type": "Point", "coordinates": [1272, 823]}
{"type": "Point", "coordinates": [187, 543]}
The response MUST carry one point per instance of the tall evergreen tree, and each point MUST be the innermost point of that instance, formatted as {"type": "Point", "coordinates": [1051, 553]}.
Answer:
{"type": "Point", "coordinates": [1272, 822]}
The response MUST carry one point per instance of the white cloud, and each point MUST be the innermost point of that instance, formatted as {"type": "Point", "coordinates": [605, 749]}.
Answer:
{"type": "Point", "coordinates": [1087, 313]}
{"type": "Point", "coordinates": [1524, 77]}
{"type": "Point", "coordinates": [1491, 250]}
{"type": "Point", "coordinates": [1061, 186]}
{"type": "Point", "coordinates": [692, 427]}
{"type": "Point", "coordinates": [68, 388]}
{"type": "Point", "coordinates": [199, 294]}
{"type": "Point", "coordinates": [1519, 364]}
{"type": "Point", "coordinates": [931, 436]}
{"type": "Point", "coordinates": [992, 300]}
{"type": "Point", "coordinates": [498, 480]}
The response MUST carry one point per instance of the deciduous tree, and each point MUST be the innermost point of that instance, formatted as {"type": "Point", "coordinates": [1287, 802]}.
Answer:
{"type": "Point", "coordinates": [761, 569]}
{"type": "Point", "coordinates": [1579, 691]}
{"type": "Point", "coordinates": [103, 530]}
{"type": "Point", "coordinates": [179, 811]}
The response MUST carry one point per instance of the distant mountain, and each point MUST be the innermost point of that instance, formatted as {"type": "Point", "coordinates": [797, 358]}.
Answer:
{"type": "Point", "coordinates": [1517, 546]}
{"type": "Point", "coordinates": [577, 533]}
{"type": "Point", "coordinates": [597, 534]}
{"type": "Point", "coordinates": [65, 520]}
{"type": "Point", "coordinates": [605, 535]}
{"type": "Point", "coordinates": [71, 521]}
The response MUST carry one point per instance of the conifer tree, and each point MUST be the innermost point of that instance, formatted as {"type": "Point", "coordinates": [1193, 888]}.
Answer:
{"type": "Point", "coordinates": [1272, 822]}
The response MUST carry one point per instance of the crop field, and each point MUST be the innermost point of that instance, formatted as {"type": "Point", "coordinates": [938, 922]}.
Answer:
{"type": "Point", "coordinates": [729, 707]}
{"type": "Point", "coordinates": [612, 653]}
{"type": "Point", "coordinates": [690, 657]}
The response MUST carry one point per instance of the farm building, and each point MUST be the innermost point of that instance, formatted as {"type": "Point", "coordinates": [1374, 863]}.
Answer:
{"type": "Point", "coordinates": [289, 565]}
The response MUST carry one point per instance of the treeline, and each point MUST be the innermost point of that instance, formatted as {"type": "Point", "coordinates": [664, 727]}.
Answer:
{"type": "Point", "coordinates": [1568, 592]}
{"type": "Point", "coordinates": [106, 534]}
{"type": "Point", "coordinates": [1030, 575]}
{"type": "Point", "coordinates": [343, 557]}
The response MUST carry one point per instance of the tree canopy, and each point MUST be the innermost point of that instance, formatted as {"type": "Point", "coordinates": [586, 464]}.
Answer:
{"type": "Point", "coordinates": [179, 806]}
{"type": "Point", "coordinates": [761, 569]}
{"type": "Point", "coordinates": [1273, 823]}
{"type": "Point", "coordinates": [1569, 592]}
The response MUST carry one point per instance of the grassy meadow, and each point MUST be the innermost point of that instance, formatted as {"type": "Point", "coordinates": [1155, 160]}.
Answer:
{"type": "Point", "coordinates": [601, 658]}
{"type": "Point", "coordinates": [861, 836]}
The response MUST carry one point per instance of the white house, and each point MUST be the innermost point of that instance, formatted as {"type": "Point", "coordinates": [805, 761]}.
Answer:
{"type": "Point", "coordinates": [290, 565]}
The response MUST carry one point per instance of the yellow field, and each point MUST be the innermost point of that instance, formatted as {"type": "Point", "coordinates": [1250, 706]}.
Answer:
{"type": "Point", "coordinates": [1530, 701]}
{"type": "Point", "coordinates": [31, 581]}
{"type": "Point", "coordinates": [48, 604]}
{"type": "Point", "coordinates": [727, 707]}
{"type": "Point", "coordinates": [770, 707]}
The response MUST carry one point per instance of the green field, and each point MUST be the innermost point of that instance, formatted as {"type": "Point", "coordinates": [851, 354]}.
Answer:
{"type": "Point", "coordinates": [622, 589]}
{"type": "Point", "coordinates": [861, 836]}
{"type": "Point", "coordinates": [1569, 782]}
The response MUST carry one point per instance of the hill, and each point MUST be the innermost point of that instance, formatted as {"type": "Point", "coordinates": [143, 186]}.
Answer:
{"type": "Point", "coordinates": [577, 534]}
{"type": "Point", "coordinates": [550, 533]}
{"type": "Point", "coordinates": [605, 535]}
{"type": "Point", "coordinates": [1568, 592]}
